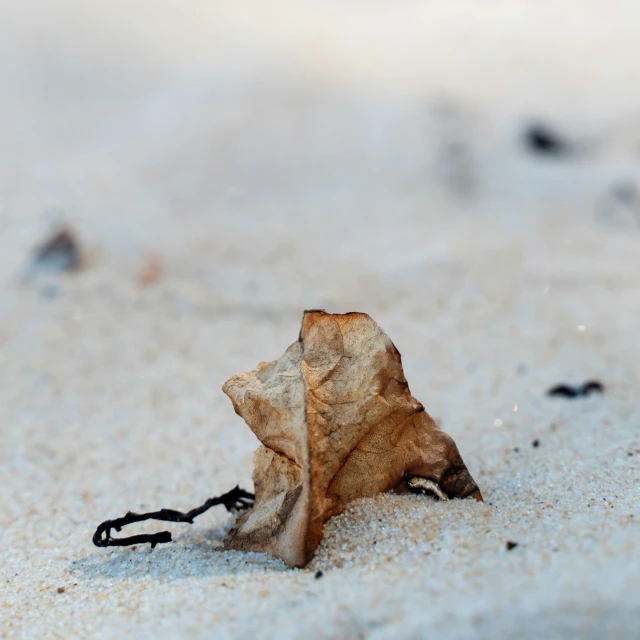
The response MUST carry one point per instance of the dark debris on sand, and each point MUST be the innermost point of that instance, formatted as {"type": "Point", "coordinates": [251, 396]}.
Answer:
{"type": "Point", "coordinates": [61, 252]}
{"type": "Point", "coordinates": [579, 391]}
{"type": "Point", "coordinates": [542, 140]}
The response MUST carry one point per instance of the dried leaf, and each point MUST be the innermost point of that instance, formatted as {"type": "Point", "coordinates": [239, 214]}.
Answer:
{"type": "Point", "coordinates": [337, 422]}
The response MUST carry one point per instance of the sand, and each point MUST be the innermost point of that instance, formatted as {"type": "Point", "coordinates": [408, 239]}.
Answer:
{"type": "Point", "coordinates": [342, 156]}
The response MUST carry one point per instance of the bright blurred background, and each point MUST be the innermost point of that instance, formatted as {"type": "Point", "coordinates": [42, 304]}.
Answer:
{"type": "Point", "coordinates": [348, 155]}
{"type": "Point", "coordinates": [158, 124]}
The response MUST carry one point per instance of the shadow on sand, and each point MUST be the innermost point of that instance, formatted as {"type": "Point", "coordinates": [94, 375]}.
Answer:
{"type": "Point", "coordinates": [191, 555]}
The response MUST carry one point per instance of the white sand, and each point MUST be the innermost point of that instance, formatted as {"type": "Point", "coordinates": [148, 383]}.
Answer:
{"type": "Point", "coordinates": [289, 157]}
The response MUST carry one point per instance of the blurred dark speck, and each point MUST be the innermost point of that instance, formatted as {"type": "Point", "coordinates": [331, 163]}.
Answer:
{"type": "Point", "coordinates": [540, 139]}
{"type": "Point", "coordinates": [59, 253]}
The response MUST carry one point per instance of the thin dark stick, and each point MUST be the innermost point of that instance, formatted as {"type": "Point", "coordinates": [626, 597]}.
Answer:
{"type": "Point", "coordinates": [564, 391]}
{"type": "Point", "coordinates": [567, 391]}
{"type": "Point", "coordinates": [592, 385]}
{"type": "Point", "coordinates": [235, 500]}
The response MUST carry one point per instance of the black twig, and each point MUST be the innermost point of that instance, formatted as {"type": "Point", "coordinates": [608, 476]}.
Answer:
{"type": "Point", "coordinates": [235, 500]}
{"type": "Point", "coordinates": [567, 391]}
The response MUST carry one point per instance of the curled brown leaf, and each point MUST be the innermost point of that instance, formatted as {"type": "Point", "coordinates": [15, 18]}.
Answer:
{"type": "Point", "coordinates": [337, 422]}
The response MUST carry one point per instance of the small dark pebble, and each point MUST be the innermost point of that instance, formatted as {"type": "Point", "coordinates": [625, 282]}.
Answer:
{"type": "Point", "coordinates": [535, 444]}
{"type": "Point", "coordinates": [59, 253]}
{"type": "Point", "coordinates": [511, 545]}
{"type": "Point", "coordinates": [567, 391]}
{"type": "Point", "coordinates": [318, 575]}
{"type": "Point", "coordinates": [517, 450]}
{"type": "Point", "coordinates": [61, 589]}
{"type": "Point", "coordinates": [540, 139]}
{"type": "Point", "coordinates": [630, 453]}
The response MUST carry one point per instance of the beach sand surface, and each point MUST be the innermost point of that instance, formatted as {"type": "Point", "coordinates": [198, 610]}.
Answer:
{"type": "Point", "coordinates": [270, 157]}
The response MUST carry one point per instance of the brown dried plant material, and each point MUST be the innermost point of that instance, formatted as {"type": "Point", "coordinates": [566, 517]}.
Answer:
{"type": "Point", "coordinates": [151, 270]}
{"type": "Point", "coordinates": [337, 422]}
